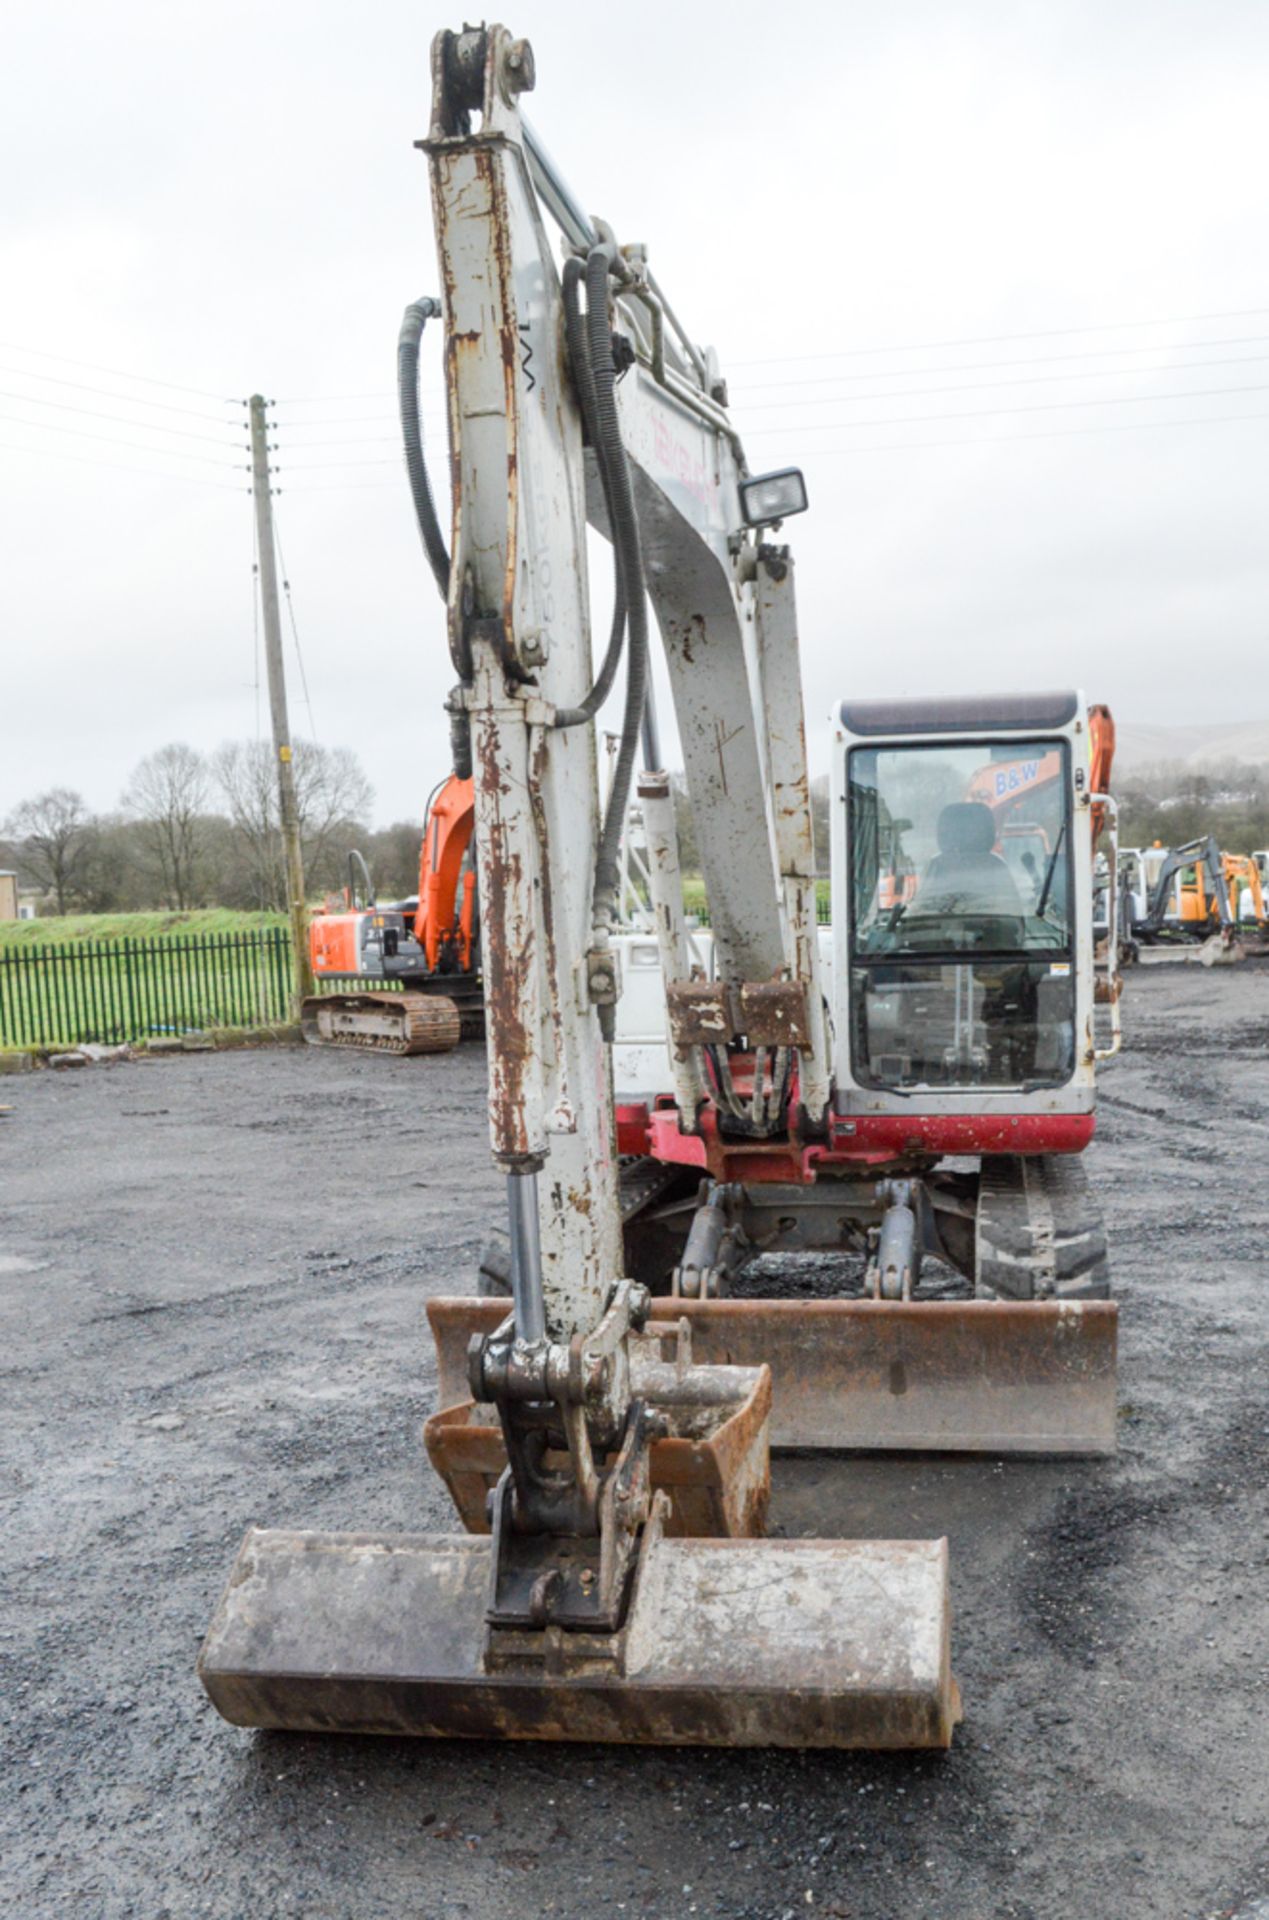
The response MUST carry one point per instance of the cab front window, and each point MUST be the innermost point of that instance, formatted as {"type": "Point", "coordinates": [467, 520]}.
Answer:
{"type": "Point", "coordinates": [960, 848]}
{"type": "Point", "coordinates": [960, 900]}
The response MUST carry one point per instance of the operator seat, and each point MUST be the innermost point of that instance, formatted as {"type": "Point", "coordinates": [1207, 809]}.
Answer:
{"type": "Point", "coordinates": [965, 876]}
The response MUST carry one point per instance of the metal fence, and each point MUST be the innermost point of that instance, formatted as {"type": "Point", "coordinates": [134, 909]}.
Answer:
{"type": "Point", "coordinates": [136, 989]}
{"type": "Point", "coordinates": [823, 907]}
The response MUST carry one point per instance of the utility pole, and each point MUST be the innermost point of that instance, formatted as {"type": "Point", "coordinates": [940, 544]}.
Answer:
{"type": "Point", "coordinates": [287, 808]}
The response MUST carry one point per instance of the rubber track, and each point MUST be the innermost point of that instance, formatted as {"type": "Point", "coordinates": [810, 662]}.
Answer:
{"type": "Point", "coordinates": [1039, 1232]}
{"type": "Point", "coordinates": [428, 1023]}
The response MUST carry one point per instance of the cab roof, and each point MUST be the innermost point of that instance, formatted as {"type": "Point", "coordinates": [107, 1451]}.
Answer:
{"type": "Point", "coordinates": [962, 713]}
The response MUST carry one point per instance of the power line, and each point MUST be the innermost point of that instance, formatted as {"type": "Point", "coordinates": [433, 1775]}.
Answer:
{"type": "Point", "coordinates": [996, 339]}
{"type": "Point", "coordinates": [1037, 360]}
{"type": "Point", "coordinates": [116, 466]}
{"type": "Point", "coordinates": [758, 406]}
{"type": "Point", "coordinates": [366, 440]}
{"type": "Point", "coordinates": [890, 373]}
{"type": "Point", "coordinates": [312, 399]}
{"type": "Point", "coordinates": [983, 413]}
{"type": "Point", "coordinates": [129, 399]}
{"type": "Point", "coordinates": [119, 419]}
{"type": "Point", "coordinates": [1028, 380]}
{"type": "Point", "coordinates": [362, 440]}
{"type": "Point", "coordinates": [111, 440]}
{"type": "Point", "coordinates": [436, 421]}
{"type": "Point", "coordinates": [353, 440]}
{"type": "Point", "coordinates": [295, 632]}
{"type": "Point", "coordinates": [1031, 379]}
{"type": "Point", "coordinates": [342, 486]}
{"type": "Point", "coordinates": [897, 446]}
{"type": "Point", "coordinates": [918, 346]}
{"type": "Point", "coordinates": [346, 420]}
{"type": "Point", "coordinates": [117, 373]}
{"type": "Point", "coordinates": [306, 426]}
{"type": "Point", "coordinates": [315, 466]}
{"type": "Point", "coordinates": [1054, 433]}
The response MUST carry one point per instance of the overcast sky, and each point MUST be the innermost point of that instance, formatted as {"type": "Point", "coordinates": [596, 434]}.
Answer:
{"type": "Point", "coordinates": [1068, 197]}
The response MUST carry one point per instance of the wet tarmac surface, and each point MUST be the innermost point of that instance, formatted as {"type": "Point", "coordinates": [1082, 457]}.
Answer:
{"type": "Point", "coordinates": [212, 1270]}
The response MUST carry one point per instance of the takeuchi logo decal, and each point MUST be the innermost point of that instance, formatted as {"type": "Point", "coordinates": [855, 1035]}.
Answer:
{"type": "Point", "coordinates": [684, 463]}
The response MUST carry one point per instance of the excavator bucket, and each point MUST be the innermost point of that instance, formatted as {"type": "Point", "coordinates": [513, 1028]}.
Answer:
{"type": "Point", "coordinates": [715, 1475]}
{"type": "Point", "coordinates": [727, 1638]}
{"type": "Point", "coordinates": [977, 1376]}
{"type": "Point", "coordinates": [784, 1643]}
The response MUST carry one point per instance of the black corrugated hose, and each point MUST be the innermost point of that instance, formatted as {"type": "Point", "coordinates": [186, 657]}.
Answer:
{"type": "Point", "coordinates": [611, 454]}
{"type": "Point", "coordinates": [415, 317]}
{"type": "Point", "coordinates": [595, 375]}
{"type": "Point", "coordinates": [583, 380]}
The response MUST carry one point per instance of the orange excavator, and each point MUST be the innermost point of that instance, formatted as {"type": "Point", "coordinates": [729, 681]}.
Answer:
{"type": "Point", "coordinates": [425, 952]}
{"type": "Point", "coordinates": [1007, 788]}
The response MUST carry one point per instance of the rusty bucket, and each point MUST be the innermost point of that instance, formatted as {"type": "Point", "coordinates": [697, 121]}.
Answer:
{"type": "Point", "coordinates": [784, 1643]}
{"type": "Point", "coordinates": [728, 1639]}
{"type": "Point", "coordinates": [712, 1461]}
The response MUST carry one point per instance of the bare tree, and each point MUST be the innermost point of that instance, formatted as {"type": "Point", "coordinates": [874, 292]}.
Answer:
{"type": "Point", "coordinates": [333, 797]}
{"type": "Point", "coordinates": [167, 796]}
{"type": "Point", "coordinates": [113, 877]}
{"type": "Point", "coordinates": [393, 854]}
{"type": "Point", "coordinates": [243, 770]}
{"type": "Point", "coordinates": [54, 836]}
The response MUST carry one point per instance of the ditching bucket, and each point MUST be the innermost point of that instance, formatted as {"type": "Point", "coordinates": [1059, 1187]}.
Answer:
{"type": "Point", "coordinates": [713, 1462]}
{"type": "Point", "coordinates": [798, 1643]}
{"type": "Point", "coordinates": [942, 1376]}
{"type": "Point", "coordinates": [725, 1639]}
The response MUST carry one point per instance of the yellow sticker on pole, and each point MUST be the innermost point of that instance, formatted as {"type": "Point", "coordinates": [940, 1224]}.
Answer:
{"type": "Point", "coordinates": [284, 753]}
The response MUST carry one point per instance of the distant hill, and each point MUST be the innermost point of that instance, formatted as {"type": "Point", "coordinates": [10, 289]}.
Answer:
{"type": "Point", "coordinates": [1139, 745]}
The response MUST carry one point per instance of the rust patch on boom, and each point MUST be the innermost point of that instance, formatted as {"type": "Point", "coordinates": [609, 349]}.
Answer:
{"type": "Point", "coordinates": [508, 938]}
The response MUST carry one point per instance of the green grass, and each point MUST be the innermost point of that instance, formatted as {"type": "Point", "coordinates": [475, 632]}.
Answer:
{"type": "Point", "coordinates": [59, 931]}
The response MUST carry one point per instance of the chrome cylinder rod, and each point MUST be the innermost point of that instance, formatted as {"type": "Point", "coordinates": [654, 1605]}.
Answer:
{"type": "Point", "coordinates": [526, 1256]}
{"type": "Point", "coordinates": [555, 193]}
{"type": "Point", "coordinates": [651, 733]}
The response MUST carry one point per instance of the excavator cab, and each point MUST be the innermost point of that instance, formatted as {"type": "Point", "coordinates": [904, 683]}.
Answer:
{"type": "Point", "coordinates": [977, 984]}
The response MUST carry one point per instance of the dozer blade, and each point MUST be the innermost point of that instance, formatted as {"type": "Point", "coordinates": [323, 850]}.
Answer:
{"type": "Point", "coordinates": [800, 1643]}
{"type": "Point", "coordinates": [398, 1023]}
{"type": "Point", "coordinates": [945, 1376]}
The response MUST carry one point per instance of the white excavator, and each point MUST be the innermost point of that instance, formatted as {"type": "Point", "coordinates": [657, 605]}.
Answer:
{"type": "Point", "coordinates": [916, 1097]}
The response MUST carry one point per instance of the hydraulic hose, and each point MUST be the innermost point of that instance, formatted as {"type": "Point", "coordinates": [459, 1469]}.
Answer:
{"type": "Point", "coordinates": [459, 733]}
{"type": "Point", "coordinates": [415, 318]}
{"type": "Point", "coordinates": [584, 382]}
{"type": "Point", "coordinates": [611, 454]}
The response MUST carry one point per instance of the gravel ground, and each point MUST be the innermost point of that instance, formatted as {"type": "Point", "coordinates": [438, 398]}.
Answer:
{"type": "Point", "coordinates": [212, 1270]}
